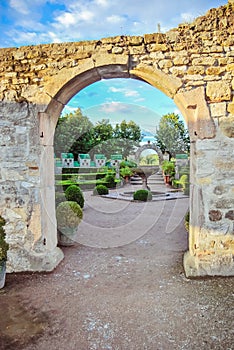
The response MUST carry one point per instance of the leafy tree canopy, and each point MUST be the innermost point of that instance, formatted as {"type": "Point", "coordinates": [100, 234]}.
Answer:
{"type": "Point", "coordinates": [172, 135]}
{"type": "Point", "coordinates": [75, 133]}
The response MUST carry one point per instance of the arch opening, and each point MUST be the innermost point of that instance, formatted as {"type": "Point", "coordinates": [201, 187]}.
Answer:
{"type": "Point", "coordinates": [54, 109]}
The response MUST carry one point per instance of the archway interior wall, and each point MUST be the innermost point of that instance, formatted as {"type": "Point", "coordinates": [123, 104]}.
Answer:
{"type": "Point", "coordinates": [183, 63]}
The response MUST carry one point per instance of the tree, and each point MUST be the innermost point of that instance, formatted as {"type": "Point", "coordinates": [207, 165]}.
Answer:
{"type": "Point", "coordinates": [172, 135]}
{"type": "Point", "coordinates": [76, 134]}
{"type": "Point", "coordinates": [73, 134]}
{"type": "Point", "coordinates": [102, 134]}
{"type": "Point", "coordinates": [127, 136]}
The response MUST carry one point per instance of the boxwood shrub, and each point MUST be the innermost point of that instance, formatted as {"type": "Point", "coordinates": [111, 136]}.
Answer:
{"type": "Point", "coordinates": [110, 181]}
{"type": "Point", "coordinates": [100, 189]}
{"type": "Point", "coordinates": [142, 195]}
{"type": "Point", "coordinates": [69, 215]}
{"type": "Point", "coordinates": [74, 193]}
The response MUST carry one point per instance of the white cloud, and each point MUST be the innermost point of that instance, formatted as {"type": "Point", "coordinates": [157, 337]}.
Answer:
{"type": "Point", "coordinates": [131, 93]}
{"type": "Point", "coordinates": [66, 19]}
{"type": "Point", "coordinates": [113, 107]}
{"type": "Point", "coordinates": [125, 91]}
{"type": "Point", "coordinates": [103, 3]}
{"type": "Point", "coordinates": [19, 6]}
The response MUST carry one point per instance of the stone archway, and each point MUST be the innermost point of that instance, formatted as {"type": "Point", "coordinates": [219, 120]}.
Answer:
{"type": "Point", "coordinates": [186, 65]}
{"type": "Point", "coordinates": [151, 146]}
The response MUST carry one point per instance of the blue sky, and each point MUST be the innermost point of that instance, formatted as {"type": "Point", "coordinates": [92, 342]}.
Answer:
{"type": "Point", "coordinates": [31, 22]}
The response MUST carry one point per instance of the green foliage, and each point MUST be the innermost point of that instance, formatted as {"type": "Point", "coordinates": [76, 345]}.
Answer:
{"type": "Point", "coordinates": [69, 215]}
{"type": "Point", "coordinates": [142, 195]}
{"type": "Point", "coordinates": [127, 163]}
{"type": "Point", "coordinates": [184, 181]}
{"type": "Point", "coordinates": [4, 246]}
{"type": "Point", "coordinates": [172, 136]}
{"type": "Point", "coordinates": [168, 167]}
{"type": "Point", "coordinates": [75, 133]}
{"type": "Point", "coordinates": [110, 180]}
{"type": "Point", "coordinates": [126, 172]}
{"type": "Point", "coordinates": [127, 135]}
{"type": "Point", "coordinates": [74, 193]}
{"type": "Point", "coordinates": [100, 190]}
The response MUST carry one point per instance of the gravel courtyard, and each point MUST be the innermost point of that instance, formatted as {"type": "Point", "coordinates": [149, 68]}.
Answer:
{"type": "Point", "coordinates": [120, 287]}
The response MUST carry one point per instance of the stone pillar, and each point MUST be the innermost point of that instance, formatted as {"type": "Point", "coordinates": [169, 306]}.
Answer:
{"type": "Point", "coordinates": [47, 189]}
{"type": "Point", "coordinates": [30, 220]}
{"type": "Point", "coordinates": [211, 234]}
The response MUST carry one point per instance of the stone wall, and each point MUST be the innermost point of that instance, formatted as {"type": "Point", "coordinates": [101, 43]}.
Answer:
{"type": "Point", "coordinates": [193, 64]}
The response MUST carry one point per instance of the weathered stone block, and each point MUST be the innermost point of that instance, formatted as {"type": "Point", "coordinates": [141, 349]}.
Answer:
{"type": "Point", "coordinates": [196, 70]}
{"type": "Point", "coordinates": [227, 126]}
{"type": "Point", "coordinates": [218, 109]}
{"type": "Point", "coordinates": [158, 38]}
{"type": "Point", "coordinates": [218, 91]}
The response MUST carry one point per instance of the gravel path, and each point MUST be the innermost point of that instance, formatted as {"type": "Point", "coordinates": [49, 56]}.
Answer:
{"type": "Point", "coordinates": [120, 287]}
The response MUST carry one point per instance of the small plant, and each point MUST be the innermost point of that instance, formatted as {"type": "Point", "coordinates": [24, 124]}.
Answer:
{"type": "Point", "coordinates": [184, 181]}
{"type": "Point", "coordinates": [168, 167]}
{"type": "Point", "coordinates": [73, 193]}
{"type": "Point", "coordinates": [126, 172]}
{"type": "Point", "coordinates": [100, 190]}
{"type": "Point", "coordinates": [142, 195]}
{"type": "Point", "coordinates": [110, 180]}
{"type": "Point", "coordinates": [69, 215]}
{"type": "Point", "coordinates": [4, 246]}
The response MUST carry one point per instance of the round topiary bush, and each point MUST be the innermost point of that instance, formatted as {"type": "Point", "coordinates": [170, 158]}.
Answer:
{"type": "Point", "coordinates": [73, 193]}
{"type": "Point", "coordinates": [69, 215]}
{"type": "Point", "coordinates": [142, 195]}
{"type": "Point", "coordinates": [100, 189]}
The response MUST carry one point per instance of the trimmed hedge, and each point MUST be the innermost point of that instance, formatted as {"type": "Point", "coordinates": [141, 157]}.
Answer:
{"type": "Point", "coordinates": [100, 190]}
{"type": "Point", "coordinates": [74, 193]}
{"type": "Point", "coordinates": [69, 215]}
{"type": "Point", "coordinates": [142, 195]}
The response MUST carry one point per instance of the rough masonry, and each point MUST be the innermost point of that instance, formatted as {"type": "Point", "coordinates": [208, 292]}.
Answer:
{"type": "Point", "coordinates": [192, 64]}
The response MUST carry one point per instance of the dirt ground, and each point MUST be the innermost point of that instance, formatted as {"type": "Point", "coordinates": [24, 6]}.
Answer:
{"type": "Point", "coordinates": [120, 287]}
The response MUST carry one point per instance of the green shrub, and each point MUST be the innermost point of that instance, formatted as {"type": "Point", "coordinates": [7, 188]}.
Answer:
{"type": "Point", "coordinates": [142, 195]}
{"type": "Point", "coordinates": [69, 215]}
{"type": "Point", "coordinates": [74, 193]}
{"type": "Point", "coordinates": [100, 189]}
{"type": "Point", "coordinates": [126, 172]}
{"type": "Point", "coordinates": [4, 246]}
{"type": "Point", "coordinates": [110, 180]}
{"type": "Point", "coordinates": [184, 181]}
{"type": "Point", "coordinates": [168, 167]}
